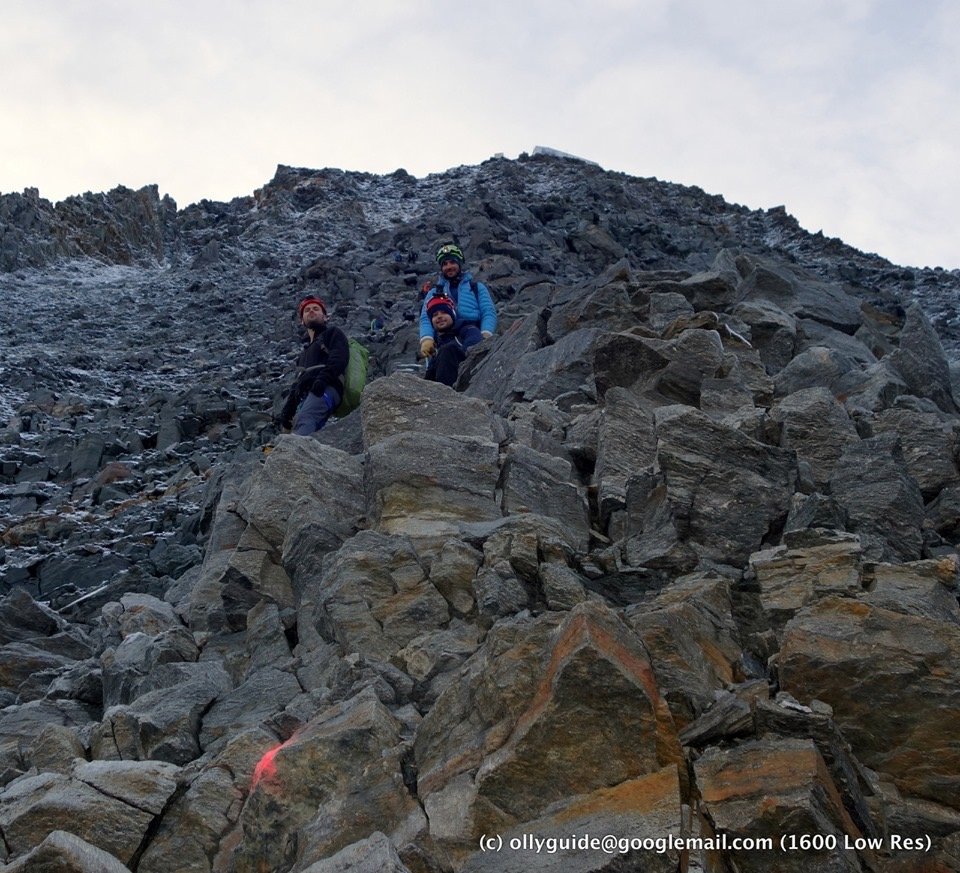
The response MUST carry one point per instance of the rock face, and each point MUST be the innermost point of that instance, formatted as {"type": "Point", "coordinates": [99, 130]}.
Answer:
{"type": "Point", "coordinates": [674, 563]}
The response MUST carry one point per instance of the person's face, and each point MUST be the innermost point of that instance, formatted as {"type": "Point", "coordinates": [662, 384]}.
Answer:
{"type": "Point", "coordinates": [441, 321]}
{"type": "Point", "coordinates": [450, 268]}
{"type": "Point", "coordinates": [313, 315]}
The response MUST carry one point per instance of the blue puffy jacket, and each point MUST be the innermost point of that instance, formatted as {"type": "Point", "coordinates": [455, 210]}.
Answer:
{"type": "Point", "coordinates": [471, 308]}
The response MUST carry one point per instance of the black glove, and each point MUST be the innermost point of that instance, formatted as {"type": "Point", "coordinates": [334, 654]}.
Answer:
{"type": "Point", "coordinates": [285, 418]}
{"type": "Point", "coordinates": [299, 387]}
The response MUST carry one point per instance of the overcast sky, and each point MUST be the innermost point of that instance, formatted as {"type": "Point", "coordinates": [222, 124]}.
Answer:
{"type": "Point", "coordinates": [846, 112]}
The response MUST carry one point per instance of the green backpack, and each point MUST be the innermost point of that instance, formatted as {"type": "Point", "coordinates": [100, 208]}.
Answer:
{"type": "Point", "coordinates": [354, 379]}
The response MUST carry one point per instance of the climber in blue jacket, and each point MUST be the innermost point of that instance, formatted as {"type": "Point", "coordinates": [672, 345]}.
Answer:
{"type": "Point", "coordinates": [476, 316]}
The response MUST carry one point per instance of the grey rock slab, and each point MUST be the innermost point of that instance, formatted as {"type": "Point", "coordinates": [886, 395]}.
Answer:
{"type": "Point", "coordinates": [563, 368]}
{"type": "Point", "coordinates": [545, 485]}
{"type": "Point", "coordinates": [63, 852]}
{"type": "Point", "coordinates": [693, 642]}
{"type": "Point", "coordinates": [882, 500]}
{"type": "Point", "coordinates": [158, 725]}
{"type": "Point", "coordinates": [626, 446]}
{"type": "Point", "coordinates": [929, 444]}
{"type": "Point", "coordinates": [424, 500]}
{"type": "Point", "coordinates": [817, 427]}
{"type": "Point", "coordinates": [23, 619]}
{"type": "Point", "coordinates": [376, 854]}
{"type": "Point", "coordinates": [146, 785]}
{"type": "Point", "coordinates": [904, 668]}
{"type": "Point", "coordinates": [298, 468]}
{"type": "Point", "coordinates": [20, 725]}
{"type": "Point", "coordinates": [922, 361]}
{"type": "Point", "coordinates": [773, 332]}
{"type": "Point", "coordinates": [818, 366]}
{"type": "Point", "coordinates": [334, 783]}
{"type": "Point", "coordinates": [374, 596]}
{"type": "Point", "coordinates": [637, 810]}
{"type": "Point", "coordinates": [33, 807]}
{"type": "Point", "coordinates": [725, 490]}
{"type": "Point", "coordinates": [493, 379]}
{"type": "Point", "coordinates": [402, 403]}
{"type": "Point", "coordinates": [767, 787]}
{"type": "Point", "coordinates": [261, 696]}
{"type": "Point", "coordinates": [801, 294]}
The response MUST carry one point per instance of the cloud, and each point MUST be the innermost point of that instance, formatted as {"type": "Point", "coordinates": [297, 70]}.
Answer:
{"type": "Point", "coordinates": [843, 112]}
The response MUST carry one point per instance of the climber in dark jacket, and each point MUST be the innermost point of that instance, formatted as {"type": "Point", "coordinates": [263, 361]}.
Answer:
{"type": "Point", "coordinates": [319, 386]}
{"type": "Point", "coordinates": [448, 353]}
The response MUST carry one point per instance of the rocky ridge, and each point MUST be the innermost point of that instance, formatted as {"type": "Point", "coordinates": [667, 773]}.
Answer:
{"type": "Point", "coordinates": [678, 557]}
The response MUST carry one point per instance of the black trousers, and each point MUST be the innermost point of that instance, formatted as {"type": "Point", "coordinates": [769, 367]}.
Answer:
{"type": "Point", "coordinates": [445, 364]}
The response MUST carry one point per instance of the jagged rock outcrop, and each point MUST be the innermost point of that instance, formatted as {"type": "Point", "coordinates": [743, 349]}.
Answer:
{"type": "Point", "coordinates": [677, 558]}
{"type": "Point", "coordinates": [120, 227]}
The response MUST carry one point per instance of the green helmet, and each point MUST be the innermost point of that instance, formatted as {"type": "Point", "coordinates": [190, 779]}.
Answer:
{"type": "Point", "coordinates": [450, 251]}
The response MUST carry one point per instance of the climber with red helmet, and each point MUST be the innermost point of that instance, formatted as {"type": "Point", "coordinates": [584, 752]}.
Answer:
{"type": "Point", "coordinates": [318, 388]}
{"type": "Point", "coordinates": [449, 353]}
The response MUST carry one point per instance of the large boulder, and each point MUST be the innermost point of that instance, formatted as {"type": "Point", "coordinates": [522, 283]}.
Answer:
{"type": "Point", "coordinates": [335, 782]}
{"type": "Point", "coordinates": [791, 578]}
{"type": "Point", "coordinates": [111, 805]}
{"type": "Point", "coordinates": [281, 516]}
{"type": "Point", "coordinates": [816, 426]}
{"type": "Point", "coordinates": [929, 442]}
{"type": "Point", "coordinates": [921, 360]}
{"type": "Point", "coordinates": [697, 355]}
{"type": "Point", "coordinates": [605, 303]}
{"type": "Point", "coordinates": [892, 680]}
{"type": "Point", "coordinates": [376, 854]}
{"type": "Point", "coordinates": [626, 446]}
{"type": "Point", "coordinates": [800, 293]}
{"type": "Point", "coordinates": [818, 367]}
{"type": "Point", "coordinates": [726, 492]}
{"type": "Point", "coordinates": [63, 852]}
{"type": "Point", "coordinates": [774, 790]}
{"type": "Point", "coordinates": [205, 811]}
{"type": "Point", "coordinates": [403, 403]}
{"type": "Point", "coordinates": [22, 619]}
{"type": "Point", "coordinates": [772, 332]}
{"type": "Point", "coordinates": [815, 333]}
{"type": "Point", "coordinates": [563, 368]}
{"type": "Point", "coordinates": [21, 725]}
{"type": "Point", "coordinates": [492, 380]}
{"type": "Point", "coordinates": [634, 818]}
{"type": "Point", "coordinates": [545, 485]}
{"type": "Point", "coordinates": [299, 478]}
{"type": "Point", "coordinates": [126, 667]}
{"type": "Point", "coordinates": [374, 597]}
{"type": "Point", "coordinates": [424, 485]}
{"type": "Point", "coordinates": [872, 484]}
{"type": "Point", "coordinates": [159, 724]}
{"type": "Point", "coordinates": [520, 710]}
{"type": "Point", "coordinates": [692, 640]}
{"type": "Point", "coordinates": [923, 588]}
{"type": "Point", "coordinates": [262, 695]}
{"type": "Point", "coordinates": [232, 582]}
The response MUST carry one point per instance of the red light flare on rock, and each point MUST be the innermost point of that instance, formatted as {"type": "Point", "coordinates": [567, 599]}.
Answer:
{"type": "Point", "coordinates": [266, 767]}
